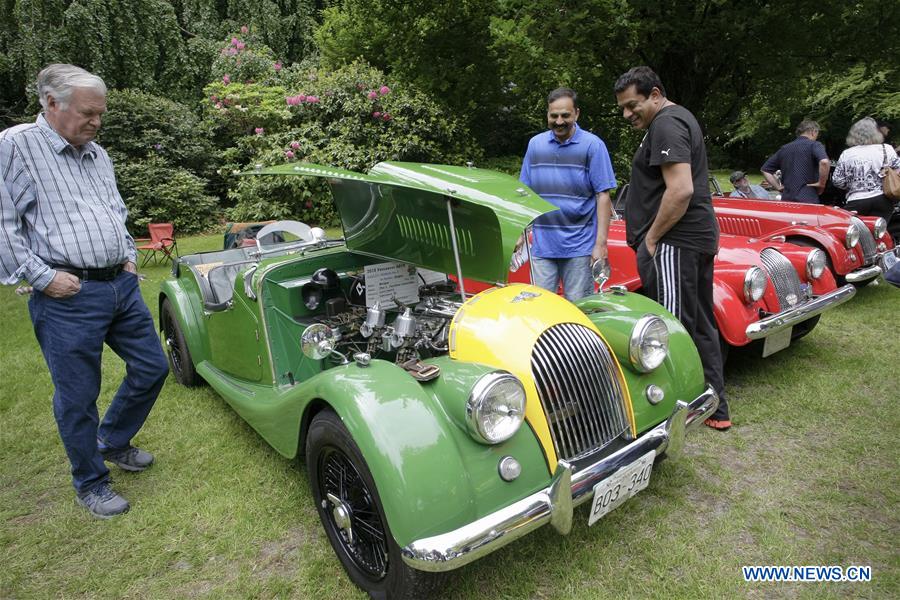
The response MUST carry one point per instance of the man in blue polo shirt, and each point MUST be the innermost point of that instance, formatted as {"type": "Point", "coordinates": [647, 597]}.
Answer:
{"type": "Point", "coordinates": [570, 168]}
{"type": "Point", "coordinates": [804, 166]}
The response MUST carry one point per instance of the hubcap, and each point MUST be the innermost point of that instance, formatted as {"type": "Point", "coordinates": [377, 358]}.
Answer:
{"type": "Point", "coordinates": [341, 514]}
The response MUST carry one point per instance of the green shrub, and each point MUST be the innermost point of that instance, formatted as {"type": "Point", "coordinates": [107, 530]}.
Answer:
{"type": "Point", "coordinates": [156, 192]}
{"type": "Point", "coordinates": [139, 125]}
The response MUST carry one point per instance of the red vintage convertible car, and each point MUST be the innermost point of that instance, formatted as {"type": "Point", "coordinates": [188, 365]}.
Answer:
{"type": "Point", "coordinates": [766, 293]}
{"type": "Point", "coordinates": [855, 245]}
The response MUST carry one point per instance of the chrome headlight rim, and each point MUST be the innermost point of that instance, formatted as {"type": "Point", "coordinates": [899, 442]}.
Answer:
{"type": "Point", "coordinates": [317, 341]}
{"type": "Point", "coordinates": [755, 283]}
{"type": "Point", "coordinates": [815, 263]}
{"type": "Point", "coordinates": [880, 227]}
{"type": "Point", "coordinates": [851, 238]}
{"type": "Point", "coordinates": [478, 403]}
{"type": "Point", "coordinates": [637, 343]}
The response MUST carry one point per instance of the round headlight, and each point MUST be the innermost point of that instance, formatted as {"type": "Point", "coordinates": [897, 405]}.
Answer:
{"type": "Point", "coordinates": [880, 227]}
{"type": "Point", "coordinates": [496, 407]}
{"type": "Point", "coordinates": [317, 341]}
{"type": "Point", "coordinates": [755, 282]}
{"type": "Point", "coordinates": [852, 236]}
{"type": "Point", "coordinates": [649, 343]}
{"type": "Point", "coordinates": [815, 263]}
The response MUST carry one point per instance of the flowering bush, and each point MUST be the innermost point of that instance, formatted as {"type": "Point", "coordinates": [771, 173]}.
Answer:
{"type": "Point", "coordinates": [348, 118]}
{"type": "Point", "coordinates": [244, 59]}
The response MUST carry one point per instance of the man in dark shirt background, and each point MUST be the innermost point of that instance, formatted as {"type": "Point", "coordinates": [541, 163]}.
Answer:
{"type": "Point", "coordinates": [669, 217]}
{"type": "Point", "coordinates": [804, 166]}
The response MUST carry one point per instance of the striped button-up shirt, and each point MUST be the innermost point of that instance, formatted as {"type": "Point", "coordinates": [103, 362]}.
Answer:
{"type": "Point", "coordinates": [59, 206]}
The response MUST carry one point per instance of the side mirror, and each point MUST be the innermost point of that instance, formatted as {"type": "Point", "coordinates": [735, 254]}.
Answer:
{"type": "Point", "coordinates": [600, 271]}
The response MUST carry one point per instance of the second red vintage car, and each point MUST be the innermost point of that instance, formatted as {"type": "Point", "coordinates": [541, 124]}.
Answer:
{"type": "Point", "coordinates": [855, 245]}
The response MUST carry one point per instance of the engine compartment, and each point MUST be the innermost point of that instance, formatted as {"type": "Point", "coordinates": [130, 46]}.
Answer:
{"type": "Point", "coordinates": [404, 333]}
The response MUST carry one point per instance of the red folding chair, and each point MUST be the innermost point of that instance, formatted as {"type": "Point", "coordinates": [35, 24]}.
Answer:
{"type": "Point", "coordinates": [162, 241]}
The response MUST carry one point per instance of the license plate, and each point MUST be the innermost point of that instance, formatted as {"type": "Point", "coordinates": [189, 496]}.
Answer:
{"type": "Point", "coordinates": [620, 486]}
{"type": "Point", "coordinates": [777, 341]}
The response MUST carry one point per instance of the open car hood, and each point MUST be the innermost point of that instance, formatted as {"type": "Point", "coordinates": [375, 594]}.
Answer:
{"type": "Point", "coordinates": [398, 211]}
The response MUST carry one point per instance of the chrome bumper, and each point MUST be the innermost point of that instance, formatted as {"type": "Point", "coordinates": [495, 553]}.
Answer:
{"type": "Point", "coordinates": [553, 504]}
{"type": "Point", "coordinates": [788, 318]}
{"type": "Point", "coordinates": [863, 274]}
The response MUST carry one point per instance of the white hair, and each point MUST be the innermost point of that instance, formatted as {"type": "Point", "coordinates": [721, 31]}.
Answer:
{"type": "Point", "coordinates": [59, 80]}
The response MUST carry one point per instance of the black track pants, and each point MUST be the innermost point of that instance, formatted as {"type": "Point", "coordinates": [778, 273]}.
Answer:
{"type": "Point", "coordinates": [682, 281]}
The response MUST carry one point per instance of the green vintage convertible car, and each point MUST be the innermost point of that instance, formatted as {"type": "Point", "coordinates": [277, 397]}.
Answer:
{"type": "Point", "coordinates": [436, 425]}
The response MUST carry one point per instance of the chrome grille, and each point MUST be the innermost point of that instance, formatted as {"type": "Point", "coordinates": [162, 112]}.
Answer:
{"type": "Point", "coordinates": [578, 384]}
{"type": "Point", "coordinates": [784, 277]}
{"type": "Point", "coordinates": [866, 240]}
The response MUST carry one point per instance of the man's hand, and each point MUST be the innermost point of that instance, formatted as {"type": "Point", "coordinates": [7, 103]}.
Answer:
{"type": "Point", "coordinates": [819, 187]}
{"type": "Point", "coordinates": [651, 246]}
{"type": "Point", "coordinates": [599, 252]}
{"type": "Point", "coordinates": [130, 267]}
{"type": "Point", "coordinates": [63, 285]}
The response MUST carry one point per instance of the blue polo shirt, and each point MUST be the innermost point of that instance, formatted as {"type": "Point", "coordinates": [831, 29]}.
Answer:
{"type": "Point", "coordinates": [569, 176]}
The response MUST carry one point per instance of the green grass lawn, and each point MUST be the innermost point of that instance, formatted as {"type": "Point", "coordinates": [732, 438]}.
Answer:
{"type": "Point", "coordinates": [808, 476]}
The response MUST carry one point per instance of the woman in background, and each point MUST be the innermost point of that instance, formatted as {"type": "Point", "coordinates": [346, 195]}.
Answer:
{"type": "Point", "coordinates": [858, 170]}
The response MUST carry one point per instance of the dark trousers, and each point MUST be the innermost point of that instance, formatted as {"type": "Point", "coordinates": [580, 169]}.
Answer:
{"type": "Point", "coordinates": [876, 206]}
{"type": "Point", "coordinates": [682, 281]}
{"type": "Point", "coordinates": [71, 333]}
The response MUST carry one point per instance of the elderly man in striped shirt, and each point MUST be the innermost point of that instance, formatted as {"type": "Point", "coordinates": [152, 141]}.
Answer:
{"type": "Point", "coordinates": [62, 228]}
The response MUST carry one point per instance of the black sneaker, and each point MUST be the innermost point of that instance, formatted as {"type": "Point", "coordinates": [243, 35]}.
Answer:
{"type": "Point", "coordinates": [129, 459]}
{"type": "Point", "coordinates": [102, 502]}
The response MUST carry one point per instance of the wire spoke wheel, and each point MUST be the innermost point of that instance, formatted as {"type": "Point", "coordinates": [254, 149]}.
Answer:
{"type": "Point", "coordinates": [176, 347]}
{"type": "Point", "coordinates": [352, 512]}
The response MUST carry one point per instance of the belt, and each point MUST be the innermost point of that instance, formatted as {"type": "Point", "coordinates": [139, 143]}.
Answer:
{"type": "Point", "coordinates": [105, 274]}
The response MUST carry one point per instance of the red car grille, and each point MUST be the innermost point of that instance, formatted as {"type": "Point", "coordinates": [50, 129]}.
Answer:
{"type": "Point", "coordinates": [784, 277]}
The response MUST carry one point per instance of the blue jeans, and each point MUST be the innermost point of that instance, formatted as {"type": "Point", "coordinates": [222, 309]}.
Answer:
{"type": "Point", "coordinates": [574, 272]}
{"type": "Point", "coordinates": [71, 333]}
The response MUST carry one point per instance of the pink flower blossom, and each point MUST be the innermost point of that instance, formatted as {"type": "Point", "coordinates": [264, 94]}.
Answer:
{"type": "Point", "coordinates": [234, 41]}
{"type": "Point", "coordinates": [300, 98]}
{"type": "Point", "coordinates": [385, 90]}
{"type": "Point", "coordinates": [244, 29]}
{"type": "Point", "coordinates": [288, 154]}
{"type": "Point", "coordinates": [231, 52]}
{"type": "Point", "coordinates": [218, 105]}
{"type": "Point", "coordinates": [376, 114]}
{"type": "Point", "coordinates": [372, 95]}
{"type": "Point", "coordinates": [295, 145]}
{"type": "Point", "coordinates": [226, 79]}
{"type": "Point", "coordinates": [259, 131]}
{"type": "Point", "coordinates": [386, 117]}
{"type": "Point", "coordinates": [312, 99]}
{"type": "Point", "coordinates": [277, 66]}
{"type": "Point", "coordinates": [214, 98]}
{"type": "Point", "coordinates": [240, 45]}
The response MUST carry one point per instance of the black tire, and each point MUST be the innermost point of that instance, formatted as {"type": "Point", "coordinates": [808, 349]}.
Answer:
{"type": "Point", "coordinates": [803, 329]}
{"type": "Point", "coordinates": [363, 543]}
{"type": "Point", "coordinates": [180, 362]}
